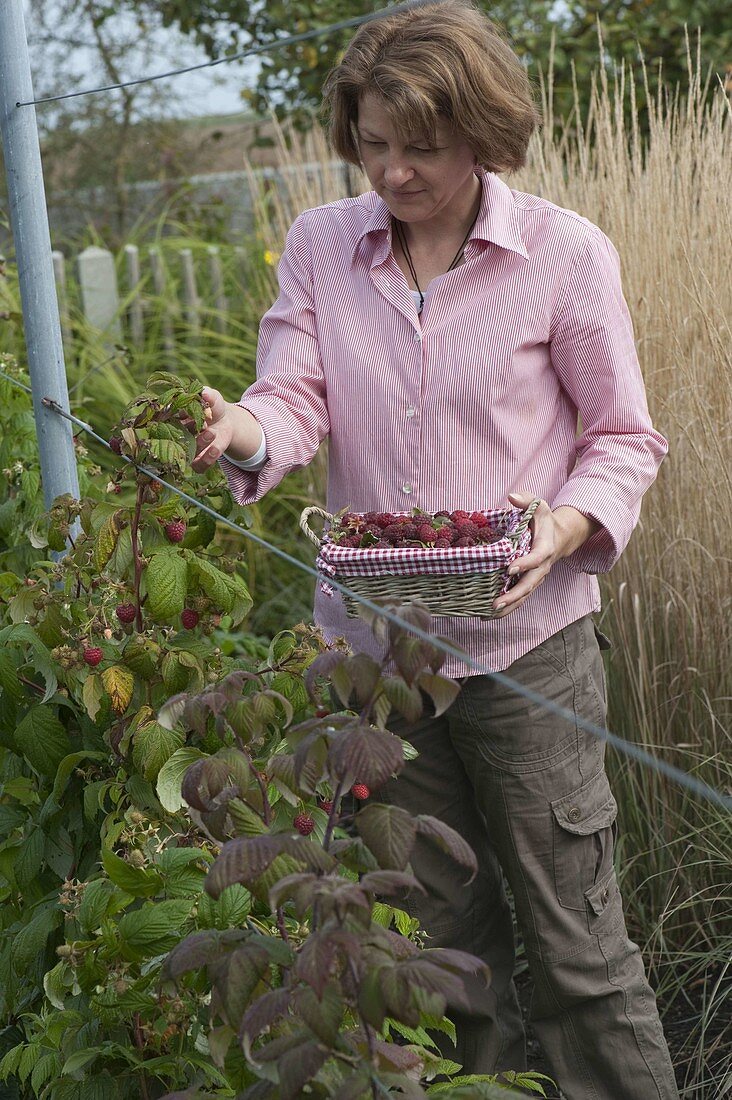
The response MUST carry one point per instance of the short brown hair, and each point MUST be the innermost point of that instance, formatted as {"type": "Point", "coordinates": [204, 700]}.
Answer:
{"type": "Point", "coordinates": [437, 61]}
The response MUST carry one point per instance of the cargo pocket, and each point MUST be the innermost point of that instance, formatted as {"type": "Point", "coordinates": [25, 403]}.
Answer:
{"type": "Point", "coordinates": [604, 904]}
{"type": "Point", "coordinates": [583, 840]}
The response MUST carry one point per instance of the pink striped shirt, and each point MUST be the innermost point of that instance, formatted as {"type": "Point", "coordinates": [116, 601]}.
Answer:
{"type": "Point", "coordinates": [477, 398]}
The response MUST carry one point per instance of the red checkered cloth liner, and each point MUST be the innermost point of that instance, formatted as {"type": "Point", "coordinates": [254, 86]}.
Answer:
{"type": "Point", "coordinates": [405, 561]}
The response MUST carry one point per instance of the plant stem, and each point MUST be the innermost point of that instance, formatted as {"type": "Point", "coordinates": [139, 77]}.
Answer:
{"type": "Point", "coordinates": [137, 557]}
{"type": "Point", "coordinates": [140, 1044]}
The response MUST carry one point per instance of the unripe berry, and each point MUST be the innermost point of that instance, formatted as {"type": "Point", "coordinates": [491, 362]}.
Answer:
{"type": "Point", "coordinates": [304, 824]}
{"type": "Point", "coordinates": [126, 612]}
{"type": "Point", "coordinates": [189, 618]}
{"type": "Point", "coordinates": [360, 791]}
{"type": "Point", "coordinates": [175, 531]}
{"type": "Point", "coordinates": [115, 444]}
{"type": "Point", "coordinates": [93, 655]}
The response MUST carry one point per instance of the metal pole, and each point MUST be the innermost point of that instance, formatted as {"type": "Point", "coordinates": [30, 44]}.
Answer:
{"type": "Point", "coordinates": [29, 223]}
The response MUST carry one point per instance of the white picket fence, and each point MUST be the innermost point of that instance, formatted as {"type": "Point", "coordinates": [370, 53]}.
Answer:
{"type": "Point", "coordinates": [118, 306]}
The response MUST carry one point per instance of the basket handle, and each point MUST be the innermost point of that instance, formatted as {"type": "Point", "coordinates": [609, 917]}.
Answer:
{"type": "Point", "coordinates": [307, 512]}
{"type": "Point", "coordinates": [523, 523]}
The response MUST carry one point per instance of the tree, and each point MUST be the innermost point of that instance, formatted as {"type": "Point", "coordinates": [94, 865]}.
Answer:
{"type": "Point", "coordinates": [291, 77]}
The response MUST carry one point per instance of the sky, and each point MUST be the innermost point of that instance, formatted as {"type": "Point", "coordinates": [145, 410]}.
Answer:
{"type": "Point", "coordinates": [213, 90]}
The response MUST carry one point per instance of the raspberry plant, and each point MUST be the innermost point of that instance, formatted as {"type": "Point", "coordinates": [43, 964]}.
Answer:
{"type": "Point", "coordinates": [314, 1011]}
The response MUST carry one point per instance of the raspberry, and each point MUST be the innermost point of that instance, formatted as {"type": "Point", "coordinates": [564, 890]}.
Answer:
{"type": "Point", "coordinates": [459, 516]}
{"type": "Point", "coordinates": [478, 519]}
{"type": "Point", "coordinates": [383, 544]}
{"type": "Point", "coordinates": [175, 531]}
{"type": "Point", "coordinates": [465, 541]}
{"type": "Point", "coordinates": [487, 534]}
{"type": "Point", "coordinates": [304, 824]}
{"type": "Point", "coordinates": [443, 539]}
{"type": "Point", "coordinates": [322, 712]}
{"type": "Point", "coordinates": [409, 530]}
{"type": "Point", "coordinates": [392, 532]}
{"type": "Point", "coordinates": [466, 529]}
{"type": "Point", "coordinates": [372, 529]}
{"type": "Point", "coordinates": [360, 791]}
{"type": "Point", "coordinates": [350, 520]}
{"type": "Point", "coordinates": [115, 444]}
{"type": "Point", "coordinates": [426, 533]}
{"type": "Point", "coordinates": [93, 655]}
{"type": "Point", "coordinates": [351, 540]}
{"type": "Point", "coordinates": [445, 515]}
{"type": "Point", "coordinates": [371, 517]}
{"type": "Point", "coordinates": [126, 612]}
{"type": "Point", "coordinates": [189, 618]}
{"type": "Point", "coordinates": [325, 805]}
{"type": "Point", "coordinates": [384, 519]}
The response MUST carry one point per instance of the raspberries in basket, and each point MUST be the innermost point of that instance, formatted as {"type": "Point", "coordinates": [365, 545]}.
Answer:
{"type": "Point", "coordinates": [387, 529]}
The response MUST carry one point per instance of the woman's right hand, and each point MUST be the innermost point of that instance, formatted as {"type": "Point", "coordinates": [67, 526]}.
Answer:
{"type": "Point", "coordinates": [216, 434]}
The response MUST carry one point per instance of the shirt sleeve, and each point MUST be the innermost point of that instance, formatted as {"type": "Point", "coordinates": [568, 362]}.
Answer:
{"type": "Point", "coordinates": [289, 397]}
{"type": "Point", "coordinates": [618, 451]}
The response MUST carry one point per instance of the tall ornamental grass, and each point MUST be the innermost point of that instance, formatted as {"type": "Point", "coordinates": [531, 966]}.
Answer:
{"type": "Point", "coordinates": [659, 186]}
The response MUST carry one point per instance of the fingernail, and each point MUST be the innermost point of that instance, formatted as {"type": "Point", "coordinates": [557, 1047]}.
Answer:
{"type": "Point", "coordinates": [207, 436]}
{"type": "Point", "coordinates": [499, 606]}
{"type": "Point", "coordinates": [512, 570]}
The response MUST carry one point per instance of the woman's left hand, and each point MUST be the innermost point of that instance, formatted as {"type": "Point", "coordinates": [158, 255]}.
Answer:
{"type": "Point", "coordinates": [555, 534]}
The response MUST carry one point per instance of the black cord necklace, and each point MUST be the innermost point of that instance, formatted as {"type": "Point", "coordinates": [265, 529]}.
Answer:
{"type": "Point", "coordinates": [408, 255]}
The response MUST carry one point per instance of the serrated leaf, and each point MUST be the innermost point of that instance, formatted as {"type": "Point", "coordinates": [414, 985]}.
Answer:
{"type": "Point", "coordinates": [57, 983]}
{"type": "Point", "coordinates": [366, 754]}
{"type": "Point", "coordinates": [169, 452]}
{"type": "Point", "coordinates": [407, 700]}
{"type": "Point", "coordinates": [322, 1015]}
{"type": "Point", "coordinates": [215, 584]}
{"type": "Point", "coordinates": [389, 832]}
{"type": "Point", "coordinates": [141, 882]}
{"type": "Point", "coordinates": [441, 690]}
{"type": "Point", "coordinates": [105, 541]}
{"type": "Point", "coordinates": [29, 860]}
{"type": "Point", "coordinates": [10, 686]}
{"type": "Point", "coordinates": [66, 767]}
{"type": "Point", "coordinates": [170, 777]}
{"type": "Point", "coordinates": [92, 694]}
{"type": "Point", "coordinates": [245, 859]}
{"type": "Point", "coordinates": [152, 746]}
{"type": "Point", "coordinates": [119, 684]}
{"type": "Point", "coordinates": [94, 904]}
{"type": "Point", "coordinates": [30, 941]}
{"type": "Point", "coordinates": [166, 581]}
{"type": "Point", "coordinates": [42, 739]}
{"type": "Point", "coordinates": [153, 928]}
{"type": "Point", "coordinates": [22, 634]}
{"type": "Point", "coordinates": [448, 840]}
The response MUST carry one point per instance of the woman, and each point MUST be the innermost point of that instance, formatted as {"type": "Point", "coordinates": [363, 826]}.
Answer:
{"type": "Point", "coordinates": [445, 332]}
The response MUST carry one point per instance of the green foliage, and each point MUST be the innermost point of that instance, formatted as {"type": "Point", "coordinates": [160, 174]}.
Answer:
{"type": "Point", "coordinates": [291, 78]}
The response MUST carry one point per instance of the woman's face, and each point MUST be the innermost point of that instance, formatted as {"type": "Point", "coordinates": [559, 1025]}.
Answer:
{"type": "Point", "coordinates": [419, 180]}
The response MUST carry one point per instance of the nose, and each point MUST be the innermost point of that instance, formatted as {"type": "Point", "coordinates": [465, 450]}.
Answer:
{"type": "Point", "coordinates": [397, 171]}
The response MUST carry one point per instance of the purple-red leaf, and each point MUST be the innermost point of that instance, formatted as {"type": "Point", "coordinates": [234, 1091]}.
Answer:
{"type": "Point", "coordinates": [449, 841]}
{"type": "Point", "coordinates": [403, 697]}
{"type": "Point", "coordinates": [390, 882]}
{"type": "Point", "coordinates": [389, 832]}
{"type": "Point", "coordinates": [441, 690]}
{"type": "Point", "coordinates": [323, 666]}
{"type": "Point", "coordinates": [366, 754]}
{"type": "Point", "coordinates": [263, 1012]}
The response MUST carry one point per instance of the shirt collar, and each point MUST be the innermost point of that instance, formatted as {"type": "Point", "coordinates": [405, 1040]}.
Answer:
{"type": "Point", "coordinates": [497, 220]}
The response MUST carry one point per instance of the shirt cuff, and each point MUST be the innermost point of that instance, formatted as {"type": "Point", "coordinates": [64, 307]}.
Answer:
{"type": "Point", "coordinates": [255, 461]}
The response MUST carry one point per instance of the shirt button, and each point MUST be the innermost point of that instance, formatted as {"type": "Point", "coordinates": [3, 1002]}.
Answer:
{"type": "Point", "coordinates": [411, 411]}
{"type": "Point", "coordinates": [418, 337]}
{"type": "Point", "coordinates": [406, 488]}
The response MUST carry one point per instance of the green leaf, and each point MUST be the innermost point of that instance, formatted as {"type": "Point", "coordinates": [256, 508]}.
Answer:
{"type": "Point", "coordinates": [138, 881]}
{"type": "Point", "coordinates": [30, 858]}
{"type": "Point", "coordinates": [152, 746]}
{"type": "Point", "coordinates": [10, 686]}
{"type": "Point", "coordinates": [94, 904]}
{"type": "Point", "coordinates": [170, 778]}
{"type": "Point", "coordinates": [65, 769]}
{"type": "Point", "coordinates": [42, 739]}
{"type": "Point", "coordinates": [154, 928]}
{"type": "Point", "coordinates": [230, 910]}
{"type": "Point", "coordinates": [23, 634]}
{"type": "Point", "coordinates": [215, 584]}
{"type": "Point", "coordinates": [30, 941]}
{"type": "Point", "coordinates": [57, 983]}
{"type": "Point", "coordinates": [165, 579]}
{"type": "Point", "coordinates": [106, 541]}
{"type": "Point", "coordinates": [92, 694]}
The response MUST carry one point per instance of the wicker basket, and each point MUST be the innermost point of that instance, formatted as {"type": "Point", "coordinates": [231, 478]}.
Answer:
{"type": "Point", "coordinates": [450, 594]}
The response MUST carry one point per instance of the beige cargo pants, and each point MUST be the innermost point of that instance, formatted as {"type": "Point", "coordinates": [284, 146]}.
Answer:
{"type": "Point", "coordinates": [528, 791]}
